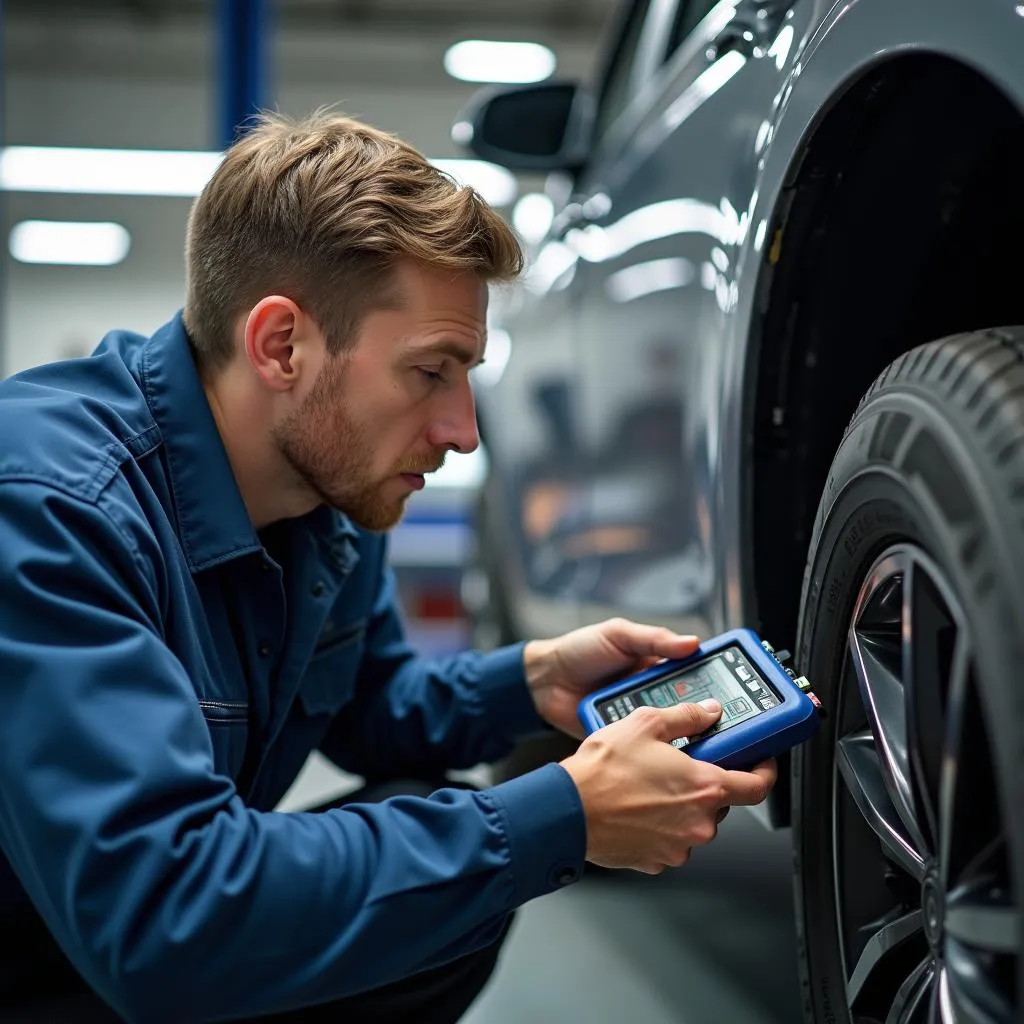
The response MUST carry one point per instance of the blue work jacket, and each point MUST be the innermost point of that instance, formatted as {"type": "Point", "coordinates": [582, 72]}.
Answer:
{"type": "Point", "coordinates": [164, 672]}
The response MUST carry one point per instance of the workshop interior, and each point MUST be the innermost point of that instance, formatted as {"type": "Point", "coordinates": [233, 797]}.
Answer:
{"type": "Point", "coordinates": [761, 381]}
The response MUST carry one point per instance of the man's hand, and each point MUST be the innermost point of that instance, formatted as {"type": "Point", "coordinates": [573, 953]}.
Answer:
{"type": "Point", "coordinates": [562, 671]}
{"type": "Point", "coordinates": [647, 803]}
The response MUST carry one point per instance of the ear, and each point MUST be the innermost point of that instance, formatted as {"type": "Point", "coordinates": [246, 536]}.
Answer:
{"type": "Point", "coordinates": [277, 338]}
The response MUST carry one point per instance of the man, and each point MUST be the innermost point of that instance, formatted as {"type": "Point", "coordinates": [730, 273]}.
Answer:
{"type": "Point", "coordinates": [193, 596]}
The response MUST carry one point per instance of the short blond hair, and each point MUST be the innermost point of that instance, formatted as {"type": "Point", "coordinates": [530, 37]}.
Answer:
{"type": "Point", "coordinates": [321, 209]}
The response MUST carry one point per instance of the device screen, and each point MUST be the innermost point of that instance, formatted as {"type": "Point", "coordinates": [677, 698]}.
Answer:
{"type": "Point", "coordinates": [728, 676]}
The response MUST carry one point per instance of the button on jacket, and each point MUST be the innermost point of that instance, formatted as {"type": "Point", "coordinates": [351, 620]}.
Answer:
{"type": "Point", "coordinates": [164, 673]}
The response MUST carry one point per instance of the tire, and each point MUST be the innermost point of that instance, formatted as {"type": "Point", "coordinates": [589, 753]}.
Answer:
{"type": "Point", "coordinates": [908, 806]}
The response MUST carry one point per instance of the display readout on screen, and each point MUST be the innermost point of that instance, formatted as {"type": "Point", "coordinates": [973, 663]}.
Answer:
{"type": "Point", "coordinates": [727, 676]}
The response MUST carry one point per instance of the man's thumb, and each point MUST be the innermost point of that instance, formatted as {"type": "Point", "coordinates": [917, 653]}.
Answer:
{"type": "Point", "coordinates": [690, 719]}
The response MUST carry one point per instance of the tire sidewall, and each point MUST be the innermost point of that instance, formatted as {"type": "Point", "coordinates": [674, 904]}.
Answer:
{"type": "Point", "coordinates": [869, 505]}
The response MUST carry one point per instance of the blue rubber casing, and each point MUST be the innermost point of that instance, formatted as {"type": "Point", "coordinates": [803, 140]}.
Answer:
{"type": "Point", "coordinates": [747, 743]}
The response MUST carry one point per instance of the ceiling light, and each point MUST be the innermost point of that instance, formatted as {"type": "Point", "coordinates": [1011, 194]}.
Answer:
{"type": "Point", "coordinates": [532, 216]}
{"type": "Point", "coordinates": [151, 172]}
{"type": "Point", "coordinates": [480, 60]}
{"type": "Point", "coordinates": [99, 244]}
{"type": "Point", "coordinates": [145, 172]}
{"type": "Point", "coordinates": [496, 184]}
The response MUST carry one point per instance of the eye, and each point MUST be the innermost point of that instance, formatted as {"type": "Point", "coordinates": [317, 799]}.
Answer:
{"type": "Point", "coordinates": [432, 375]}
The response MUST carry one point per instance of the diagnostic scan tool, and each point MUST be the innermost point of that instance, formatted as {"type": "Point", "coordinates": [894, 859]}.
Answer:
{"type": "Point", "coordinates": [766, 710]}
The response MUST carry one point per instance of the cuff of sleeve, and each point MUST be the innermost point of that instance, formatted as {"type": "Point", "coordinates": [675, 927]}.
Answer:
{"type": "Point", "coordinates": [506, 696]}
{"type": "Point", "coordinates": [547, 830]}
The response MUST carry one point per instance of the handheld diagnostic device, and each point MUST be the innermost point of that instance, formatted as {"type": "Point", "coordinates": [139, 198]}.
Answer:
{"type": "Point", "coordinates": [766, 709]}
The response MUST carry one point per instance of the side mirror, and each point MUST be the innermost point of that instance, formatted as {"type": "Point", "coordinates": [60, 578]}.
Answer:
{"type": "Point", "coordinates": [543, 127]}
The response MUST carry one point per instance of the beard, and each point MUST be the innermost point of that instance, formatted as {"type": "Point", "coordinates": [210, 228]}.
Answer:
{"type": "Point", "coordinates": [332, 454]}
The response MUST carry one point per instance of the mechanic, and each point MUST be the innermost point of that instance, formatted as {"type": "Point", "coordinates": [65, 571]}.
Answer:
{"type": "Point", "coordinates": [194, 595]}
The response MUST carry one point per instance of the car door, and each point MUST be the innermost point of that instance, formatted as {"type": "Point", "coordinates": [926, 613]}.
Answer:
{"type": "Point", "coordinates": [531, 415]}
{"type": "Point", "coordinates": [668, 189]}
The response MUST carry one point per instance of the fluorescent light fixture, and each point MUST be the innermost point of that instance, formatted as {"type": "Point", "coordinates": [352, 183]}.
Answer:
{"type": "Point", "coordinates": [532, 216]}
{"type": "Point", "coordinates": [481, 60]}
{"type": "Point", "coordinates": [125, 172]}
{"type": "Point", "coordinates": [647, 278]}
{"type": "Point", "coordinates": [496, 184]}
{"type": "Point", "coordinates": [153, 172]}
{"type": "Point", "coordinates": [98, 244]}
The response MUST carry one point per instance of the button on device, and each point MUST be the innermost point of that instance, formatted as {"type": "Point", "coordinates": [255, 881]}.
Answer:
{"type": "Point", "coordinates": [319, 588]}
{"type": "Point", "coordinates": [264, 650]}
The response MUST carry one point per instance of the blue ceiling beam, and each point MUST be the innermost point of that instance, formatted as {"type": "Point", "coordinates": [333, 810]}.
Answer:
{"type": "Point", "coordinates": [244, 64]}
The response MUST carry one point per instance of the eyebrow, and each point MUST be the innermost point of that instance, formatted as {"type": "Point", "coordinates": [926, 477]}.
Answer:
{"type": "Point", "coordinates": [453, 349]}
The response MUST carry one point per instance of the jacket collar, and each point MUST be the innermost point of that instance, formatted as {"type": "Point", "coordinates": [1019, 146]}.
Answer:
{"type": "Point", "coordinates": [213, 523]}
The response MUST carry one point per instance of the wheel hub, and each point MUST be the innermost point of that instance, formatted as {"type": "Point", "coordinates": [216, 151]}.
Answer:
{"type": "Point", "coordinates": [933, 909]}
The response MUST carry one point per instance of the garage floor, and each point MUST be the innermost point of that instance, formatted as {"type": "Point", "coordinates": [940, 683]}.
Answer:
{"type": "Point", "coordinates": [710, 943]}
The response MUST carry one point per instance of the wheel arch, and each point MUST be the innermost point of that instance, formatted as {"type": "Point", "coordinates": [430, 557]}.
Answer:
{"type": "Point", "coordinates": [885, 235]}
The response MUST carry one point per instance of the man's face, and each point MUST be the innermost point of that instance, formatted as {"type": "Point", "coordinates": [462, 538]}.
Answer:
{"type": "Point", "coordinates": [386, 411]}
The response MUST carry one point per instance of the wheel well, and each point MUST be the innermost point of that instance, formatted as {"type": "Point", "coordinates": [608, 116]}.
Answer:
{"type": "Point", "coordinates": [888, 235]}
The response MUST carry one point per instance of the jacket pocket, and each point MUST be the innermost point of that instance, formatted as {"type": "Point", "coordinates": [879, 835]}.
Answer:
{"type": "Point", "coordinates": [228, 722]}
{"type": "Point", "coordinates": [331, 674]}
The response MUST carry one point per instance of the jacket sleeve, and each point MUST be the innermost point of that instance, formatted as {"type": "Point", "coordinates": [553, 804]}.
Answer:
{"type": "Point", "coordinates": [172, 898]}
{"type": "Point", "coordinates": [414, 714]}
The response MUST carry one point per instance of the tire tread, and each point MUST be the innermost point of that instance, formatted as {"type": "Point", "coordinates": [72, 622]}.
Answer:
{"type": "Point", "coordinates": [978, 379]}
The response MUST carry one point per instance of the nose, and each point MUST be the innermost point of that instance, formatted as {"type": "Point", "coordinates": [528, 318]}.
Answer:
{"type": "Point", "coordinates": [455, 426]}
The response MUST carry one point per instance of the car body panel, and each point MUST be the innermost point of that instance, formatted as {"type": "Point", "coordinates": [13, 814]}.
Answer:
{"type": "Point", "coordinates": [636, 331]}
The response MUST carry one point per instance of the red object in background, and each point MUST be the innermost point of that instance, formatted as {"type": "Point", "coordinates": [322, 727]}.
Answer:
{"type": "Point", "coordinates": [682, 689]}
{"type": "Point", "coordinates": [437, 604]}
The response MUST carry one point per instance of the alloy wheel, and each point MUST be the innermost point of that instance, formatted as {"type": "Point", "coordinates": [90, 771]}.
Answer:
{"type": "Point", "coordinates": [929, 927]}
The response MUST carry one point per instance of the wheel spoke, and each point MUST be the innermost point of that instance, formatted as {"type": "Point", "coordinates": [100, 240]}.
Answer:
{"type": "Point", "coordinates": [858, 763]}
{"type": "Point", "coordinates": [931, 630]}
{"type": "Point", "coordinates": [911, 1004]}
{"type": "Point", "coordinates": [884, 701]}
{"type": "Point", "coordinates": [982, 916]}
{"type": "Point", "coordinates": [889, 937]}
{"type": "Point", "coordinates": [949, 794]}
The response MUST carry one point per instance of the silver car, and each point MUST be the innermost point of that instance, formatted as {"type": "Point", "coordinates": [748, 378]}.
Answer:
{"type": "Point", "coordinates": [760, 374]}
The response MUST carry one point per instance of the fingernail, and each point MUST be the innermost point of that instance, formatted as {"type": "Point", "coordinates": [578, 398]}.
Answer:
{"type": "Point", "coordinates": [710, 704]}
